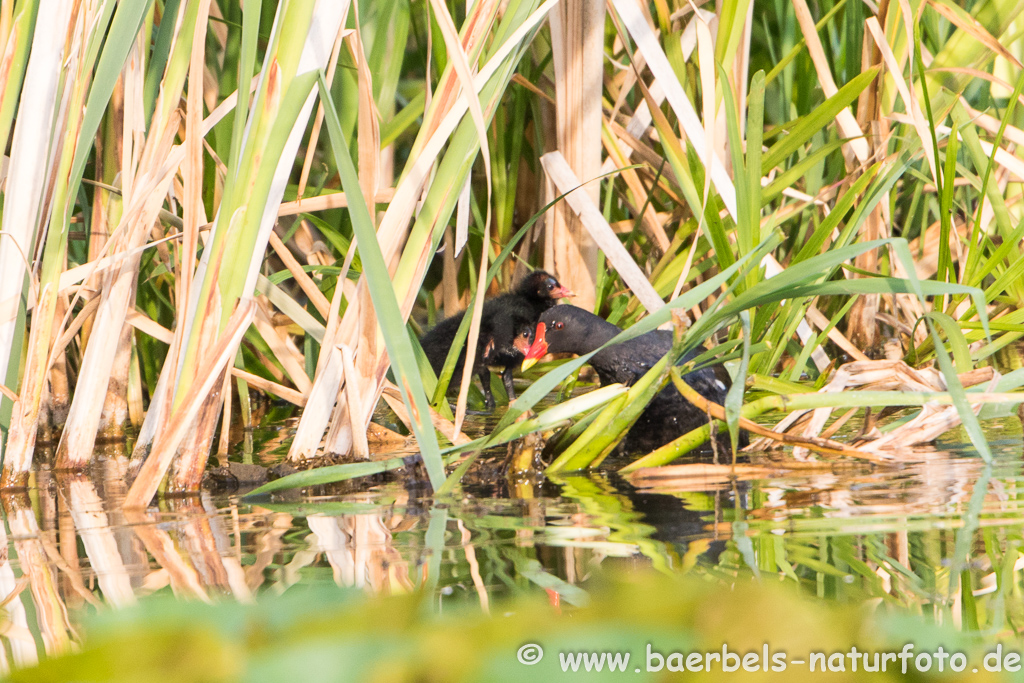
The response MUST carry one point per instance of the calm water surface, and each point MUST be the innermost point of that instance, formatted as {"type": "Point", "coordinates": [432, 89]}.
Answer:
{"type": "Point", "coordinates": [921, 535]}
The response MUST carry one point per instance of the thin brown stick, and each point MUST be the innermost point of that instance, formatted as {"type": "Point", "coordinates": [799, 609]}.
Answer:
{"type": "Point", "coordinates": [302, 278]}
{"type": "Point", "coordinates": [823, 446]}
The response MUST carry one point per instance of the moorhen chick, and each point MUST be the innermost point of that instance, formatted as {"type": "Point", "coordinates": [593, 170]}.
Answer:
{"type": "Point", "coordinates": [568, 329]}
{"type": "Point", "coordinates": [506, 330]}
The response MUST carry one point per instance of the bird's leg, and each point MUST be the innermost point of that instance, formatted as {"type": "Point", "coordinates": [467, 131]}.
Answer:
{"type": "Point", "coordinates": [485, 381]}
{"type": "Point", "coordinates": [506, 377]}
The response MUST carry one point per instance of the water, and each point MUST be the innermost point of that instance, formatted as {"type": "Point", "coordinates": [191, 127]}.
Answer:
{"type": "Point", "coordinates": [911, 535]}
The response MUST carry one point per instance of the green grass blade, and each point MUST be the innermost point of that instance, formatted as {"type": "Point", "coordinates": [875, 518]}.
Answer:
{"type": "Point", "coordinates": [820, 118]}
{"type": "Point", "coordinates": [734, 398]}
{"type": "Point", "coordinates": [396, 338]}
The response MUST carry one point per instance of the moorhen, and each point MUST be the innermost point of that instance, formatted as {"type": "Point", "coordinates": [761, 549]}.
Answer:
{"type": "Point", "coordinates": [568, 329]}
{"type": "Point", "coordinates": [506, 330]}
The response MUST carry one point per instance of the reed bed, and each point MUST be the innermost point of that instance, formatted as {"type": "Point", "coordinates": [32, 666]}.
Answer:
{"type": "Point", "coordinates": [205, 200]}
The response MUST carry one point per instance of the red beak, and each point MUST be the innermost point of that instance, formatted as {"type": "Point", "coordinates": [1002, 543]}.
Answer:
{"type": "Point", "coordinates": [538, 349]}
{"type": "Point", "coordinates": [561, 292]}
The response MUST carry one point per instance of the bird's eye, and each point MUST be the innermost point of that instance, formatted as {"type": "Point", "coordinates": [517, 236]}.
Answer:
{"type": "Point", "coordinates": [559, 326]}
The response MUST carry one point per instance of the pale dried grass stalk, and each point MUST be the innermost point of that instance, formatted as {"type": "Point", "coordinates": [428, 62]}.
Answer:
{"type": "Point", "coordinates": [558, 170]}
{"type": "Point", "coordinates": [577, 46]}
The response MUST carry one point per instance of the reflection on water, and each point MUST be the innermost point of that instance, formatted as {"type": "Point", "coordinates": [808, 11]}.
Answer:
{"type": "Point", "coordinates": [913, 535]}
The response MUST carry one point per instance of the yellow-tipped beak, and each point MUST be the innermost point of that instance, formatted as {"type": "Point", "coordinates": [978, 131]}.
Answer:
{"type": "Point", "coordinates": [538, 349]}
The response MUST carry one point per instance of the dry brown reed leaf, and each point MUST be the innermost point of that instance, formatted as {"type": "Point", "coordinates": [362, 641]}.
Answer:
{"type": "Point", "coordinates": [144, 323]}
{"type": "Point", "coordinates": [1002, 157]}
{"type": "Point", "coordinates": [845, 120]}
{"type": "Point", "coordinates": [619, 153]}
{"type": "Point", "coordinates": [650, 223]}
{"type": "Point", "coordinates": [814, 443]}
{"type": "Point", "coordinates": [926, 255]}
{"type": "Point", "coordinates": [309, 288]}
{"type": "Point", "coordinates": [519, 79]}
{"type": "Point", "coordinates": [558, 170]}
{"type": "Point", "coordinates": [640, 121]}
{"type": "Point", "coordinates": [284, 351]}
{"type": "Point", "coordinates": [310, 246]}
{"type": "Point", "coordinates": [1000, 83]}
{"type": "Point", "coordinates": [326, 202]}
{"type": "Point", "coordinates": [815, 317]}
{"type": "Point", "coordinates": [292, 396]}
{"type": "Point", "coordinates": [991, 125]}
{"type": "Point", "coordinates": [76, 324]}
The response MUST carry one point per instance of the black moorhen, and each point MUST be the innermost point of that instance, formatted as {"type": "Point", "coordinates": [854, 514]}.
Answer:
{"type": "Point", "coordinates": [506, 323]}
{"type": "Point", "coordinates": [568, 329]}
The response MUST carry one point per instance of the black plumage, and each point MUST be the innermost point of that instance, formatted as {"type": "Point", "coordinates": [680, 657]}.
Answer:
{"type": "Point", "coordinates": [506, 330]}
{"type": "Point", "coordinates": [568, 329]}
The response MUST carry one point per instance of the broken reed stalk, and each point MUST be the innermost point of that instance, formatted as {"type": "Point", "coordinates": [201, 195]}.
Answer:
{"type": "Point", "coordinates": [577, 49]}
{"type": "Point", "coordinates": [52, 56]}
{"type": "Point", "coordinates": [25, 171]}
{"type": "Point", "coordinates": [183, 419]}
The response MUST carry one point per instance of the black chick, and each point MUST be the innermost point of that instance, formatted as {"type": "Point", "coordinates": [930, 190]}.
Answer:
{"type": "Point", "coordinates": [568, 329]}
{"type": "Point", "coordinates": [501, 325]}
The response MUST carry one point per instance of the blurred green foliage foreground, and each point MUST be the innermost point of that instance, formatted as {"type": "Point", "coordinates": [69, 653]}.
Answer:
{"type": "Point", "coordinates": [330, 635]}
